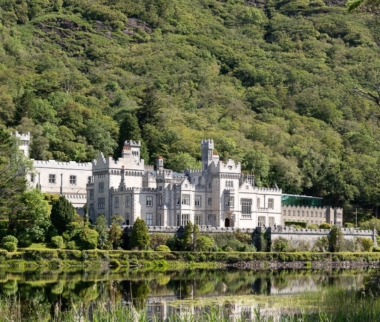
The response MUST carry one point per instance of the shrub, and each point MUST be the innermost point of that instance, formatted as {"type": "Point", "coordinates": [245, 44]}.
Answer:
{"type": "Point", "coordinates": [376, 249]}
{"type": "Point", "coordinates": [87, 239]}
{"type": "Point", "coordinates": [158, 239]}
{"type": "Point", "coordinates": [280, 245]}
{"type": "Point", "coordinates": [115, 263]}
{"type": "Point", "coordinates": [296, 223]}
{"type": "Point", "coordinates": [9, 238]}
{"type": "Point", "coordinates": [71, 245]}
{"type": "Point", "coordinates": [9, 246]}
{"type": "Point", "coordinates": [57, 242]}
{"type": "Point", "coordinates": [25, 240]}
{"type": "Point", "coordinates": [335, 239]}
{"type": "Point", "coordinates": [190, 257]}
{"type": "Point", "coordinates": [204, 243]}
{"type": "Point", "coordinates": [321, 245]}
{"type": "Point", "coordinates": [349, 225]}
{"type": "Point", "coordinates": [248, 249]}
{"type": "Point", "coordinates": [313, 226]}
{"type": "Point", "coordinates": [367, 244]}
{"type": "Point", "coordinates": [163, 248]}
{"type": "Point", "coordinates": [325, 225]}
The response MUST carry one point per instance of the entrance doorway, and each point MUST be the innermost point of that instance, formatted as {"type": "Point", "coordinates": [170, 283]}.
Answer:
{"type": "Point", "coordinates": [227, 222]}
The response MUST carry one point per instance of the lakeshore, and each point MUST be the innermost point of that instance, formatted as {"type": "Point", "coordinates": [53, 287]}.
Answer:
{"type": "Point", "coordinates": [29, 258]}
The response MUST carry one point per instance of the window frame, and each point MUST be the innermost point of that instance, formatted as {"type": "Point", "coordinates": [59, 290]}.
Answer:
{"type": "Point", "coordinates": [73, 180]}
{"type": "Point", "coordinates": [198, 201]}
{"type": "Point", "coordinates": [52, 178]}
{"type": "Point", "coordinates": [149, 201]}
{"type": "Point", "coordinates": [246, 206]}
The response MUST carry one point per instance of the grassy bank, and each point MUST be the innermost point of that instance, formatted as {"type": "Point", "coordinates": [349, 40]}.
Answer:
{"type": "Point", "coordinates": [163, 260]}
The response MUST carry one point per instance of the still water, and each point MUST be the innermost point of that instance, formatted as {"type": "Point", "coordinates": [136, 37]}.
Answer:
{"type": "Point", "coordinates": [162, 293]}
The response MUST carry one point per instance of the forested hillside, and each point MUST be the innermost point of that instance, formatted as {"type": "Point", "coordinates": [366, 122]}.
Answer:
{"type": "Point", "coordinates": [270, 81]}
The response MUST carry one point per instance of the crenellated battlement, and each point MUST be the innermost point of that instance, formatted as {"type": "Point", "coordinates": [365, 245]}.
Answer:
{"type": "Point", "coordinates": [264, 190]}
{"type": "Point", "coordinates": [60, 164]}
{"type": "Point", "coordinates": [132, 143]}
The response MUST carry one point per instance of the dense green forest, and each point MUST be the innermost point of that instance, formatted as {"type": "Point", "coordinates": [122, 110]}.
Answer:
{"type": "Point", "coordinates": [270, 81]}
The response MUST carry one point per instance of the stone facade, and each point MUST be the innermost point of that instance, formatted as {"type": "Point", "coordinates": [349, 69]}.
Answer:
{"type": "Point", "coordinates": [312, 215]}
{"type": "Point", "coordinates": [217, 195]}
{"type": "Point", "coordinates": [63, 178]}
{"type": "Point", "coordinates": [310, 236]}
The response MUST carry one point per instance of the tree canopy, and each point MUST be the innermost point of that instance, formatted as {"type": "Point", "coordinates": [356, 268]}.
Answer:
{"type": "Point", "coordinates": [271, 82]}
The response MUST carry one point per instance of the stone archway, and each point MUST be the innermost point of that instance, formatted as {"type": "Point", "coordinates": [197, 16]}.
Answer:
{"type": "Point", "coordinates": [227, 222]}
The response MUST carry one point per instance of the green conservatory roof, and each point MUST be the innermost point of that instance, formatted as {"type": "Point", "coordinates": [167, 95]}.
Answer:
{"type": "Point", "coordinates": [299, 200]}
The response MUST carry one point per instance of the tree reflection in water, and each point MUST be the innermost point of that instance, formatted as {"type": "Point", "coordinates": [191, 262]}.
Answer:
{"type": "Point", "coordinates": [41, 293]}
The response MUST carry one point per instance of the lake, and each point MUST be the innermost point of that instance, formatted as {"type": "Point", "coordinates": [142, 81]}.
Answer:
{"type": "Point", "coordinates": [165, 293]}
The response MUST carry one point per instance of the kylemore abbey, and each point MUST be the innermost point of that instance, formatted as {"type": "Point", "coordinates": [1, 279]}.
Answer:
{"type": "Point", "coordinates": [218, 195]}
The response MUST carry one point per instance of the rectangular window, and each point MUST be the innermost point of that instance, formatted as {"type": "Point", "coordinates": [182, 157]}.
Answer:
{"type": "Point", "coordinates": [32, 178]}
{"type": "Point", "coordinates": [197, 219]}
{"type": "Point", "coordinates": [284, 212]}
{"type": "Point", "coordinates": [127, 220]}
{"type": "Point", "coordinates": [178, 200]}
{"type": "Point", "coordinates": [312, 213]}
{"type": "Point", "coordinates": [186, 200]}
{"type": "Point", "coordinates": [298, 213]}
{"type": "Point", "coordinates": [320, 214]}
{"type": "Point", "coordinates": [303, 213]}
{"type": "Point", "coordinates": [229, 201]}
{"type": "Point", "coordinates": [89, 179]}
{"type": "Point", "coordinates": [149, 219]}
{"type": "Point", "coordinates": [229, 184]}
{"type": "Point", "coordinates": [159, 200]}
{"type": "Point", "coordinates": [209, 201]}
{"type": "Point", "coordinates": [127, 201]}
{"type": "Point", "coordinates": [101, 186]}
{"type": "Point", "coordinates": [198, 201]}
{"type": "Point", "coordinates": [307, 214]}
{"type": "Point", "coordinates": [73, 180]}
{"type": "Point", "coordinates": [294, 213]}
{"type": "Point", "coordinates": [149, 201]}
{"type": "Point", "coordinates": [258, 203]}
{"type": "Point", "coordinates": [101, 203]}
{"type": "Point", "coordinates": [91, 194]}
{"type": "Point", "coordinates": [270, 203]}
{"type": "Point", "coordinates": [178, 220]}
{"type": "Point", "coordinates": [185, 220]}
{"type": "Point", "coordinates": [261, 221]}
{"type": "Point", "coordinates": [271, 221]}
{"type": "Point", "coordinates": [116, 202]}
{"type": "Point", "coordinates": [52, 178]}
{"type": "Point", "coordinates": [246, 205]}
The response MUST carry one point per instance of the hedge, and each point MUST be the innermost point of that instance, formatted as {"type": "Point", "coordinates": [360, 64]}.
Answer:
{"type": "Point", "coordinates": [133, 256]}
{"type": "Point", "coordinates": [296, 223]}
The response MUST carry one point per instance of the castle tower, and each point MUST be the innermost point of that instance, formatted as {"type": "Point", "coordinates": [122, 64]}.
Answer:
{"type": "Point", "coordinates": [24, 142]}
{"type": "Point", "coordinates": [207, 147]}
{"type": "Point", "coordinates": [131, 149]}
{"type": "Point", "coordinates": [159, 163]}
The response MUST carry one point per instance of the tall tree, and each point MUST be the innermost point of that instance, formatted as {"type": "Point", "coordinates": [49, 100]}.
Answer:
{"type": "Point", "coordinates": [102, 228]}
{"type": "Point", "coordinates": [130, 130]}
{"type": "Point", "coordinates": [13, 169]}
{"type": "Point", "coordinates": [139, 236]}
{"type": "Point", "coordinates": [37, 215]}
{"type": "Point", "coordinates": [62, 214]}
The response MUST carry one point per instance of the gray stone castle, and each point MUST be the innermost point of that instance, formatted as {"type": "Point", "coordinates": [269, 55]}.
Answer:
{"type": "Point", "coordinates": [217, 195]}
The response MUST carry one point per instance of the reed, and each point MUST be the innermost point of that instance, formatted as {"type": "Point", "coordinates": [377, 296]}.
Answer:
{"type": "Point", "coordinates": [334, 305]}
